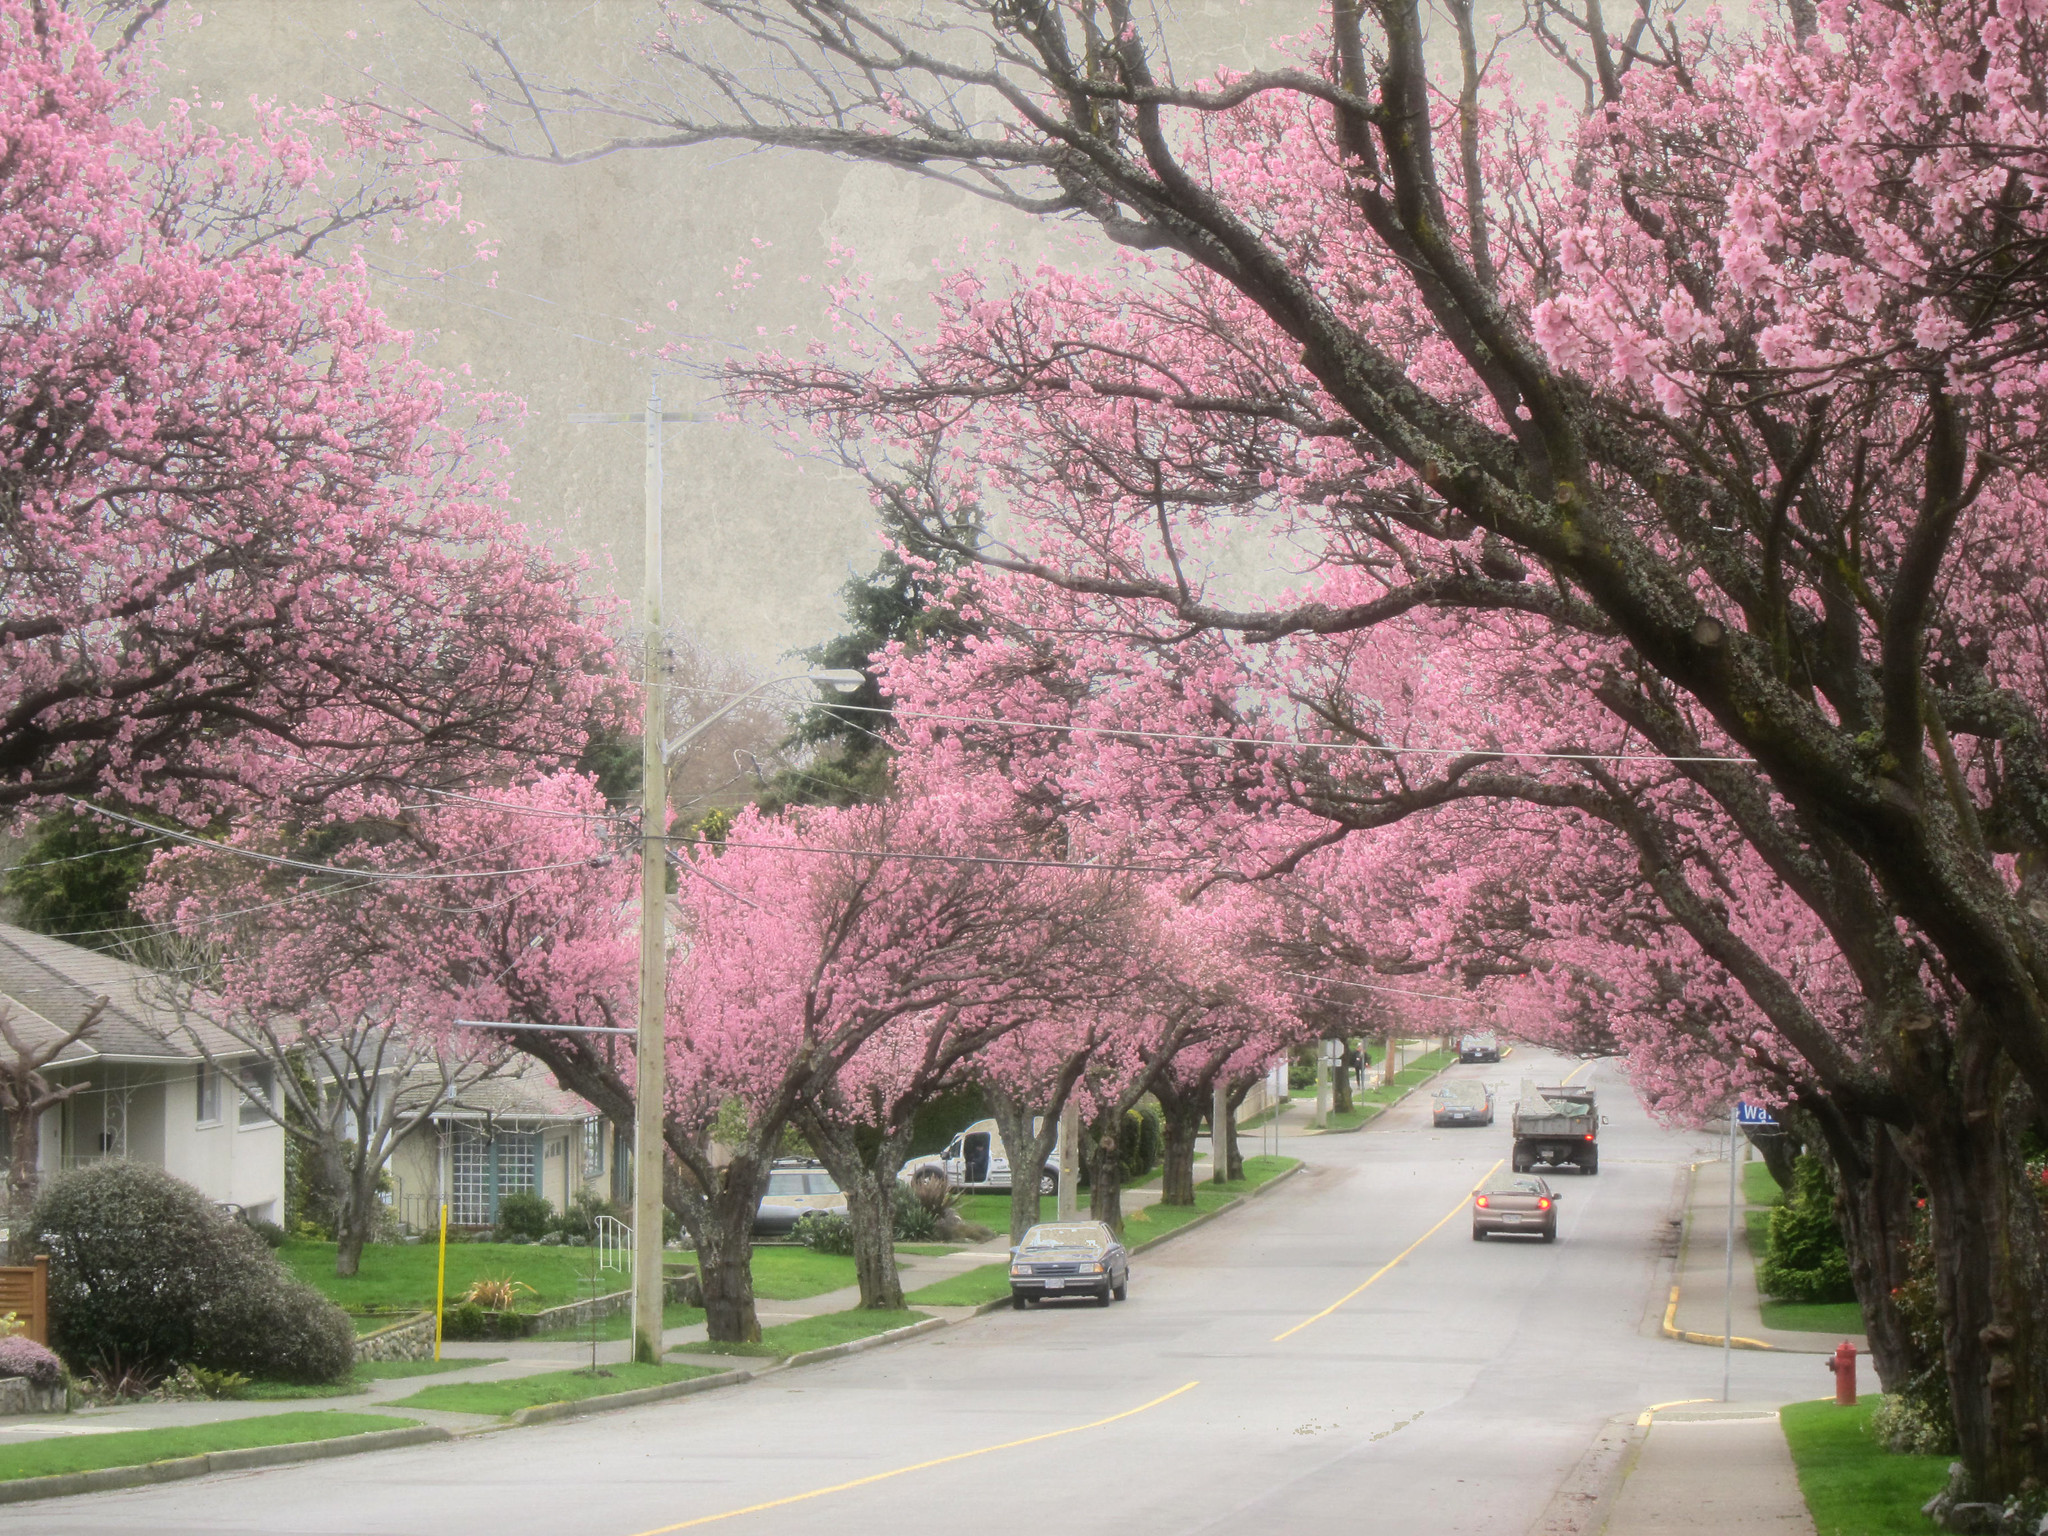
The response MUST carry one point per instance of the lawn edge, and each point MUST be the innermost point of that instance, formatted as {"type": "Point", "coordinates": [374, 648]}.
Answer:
{"type": "Point", "coordinates": [1222, 1210]}
{"type": "Point", "coordinates": [104, 1479]}
{"type": "Point", "coordinates": [545, 1413]}
{"type": "Point", "coordinates": [1353, 1130]}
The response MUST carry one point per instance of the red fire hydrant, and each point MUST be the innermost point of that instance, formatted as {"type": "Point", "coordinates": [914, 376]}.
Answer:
{"type": "Point", "coordinates": [1843, 1364]}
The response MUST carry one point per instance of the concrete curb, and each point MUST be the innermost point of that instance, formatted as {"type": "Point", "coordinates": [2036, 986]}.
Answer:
{"type": "Point", "coordinates": [109, 1478]}
{"type": "Point", "coordinates": [872, 1341]}
{"type": "Point", "coordinates": [1671, 1330]}
{"type": "Point", "coordinates": [1222, 1210]}
{"type": "Point", "coordinates": [546, 1413]}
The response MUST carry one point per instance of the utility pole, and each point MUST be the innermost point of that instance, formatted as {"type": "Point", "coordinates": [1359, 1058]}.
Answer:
{"type": "Point", "coordinates": [650, 1045]}
{"type": "Point", "coordinates": [1066, 1197]}
{"type": "Point", "coordinates": [1322, 1118]}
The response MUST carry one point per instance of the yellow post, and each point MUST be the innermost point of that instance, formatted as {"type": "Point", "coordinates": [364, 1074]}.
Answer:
{"type": "Point", "coordinates": [441, 1280]}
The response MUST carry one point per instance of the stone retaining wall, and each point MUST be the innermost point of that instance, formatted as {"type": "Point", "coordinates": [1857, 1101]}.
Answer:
{"type": "Point", "coordinates": [680, 1287]}
{"type": "Point", "coordinates": [412, 1339]}
{"type": "Point", "coordinates": [19, 1395]}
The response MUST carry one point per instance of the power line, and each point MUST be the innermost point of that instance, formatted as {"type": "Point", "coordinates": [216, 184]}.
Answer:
{"type": "Point", "coordinates": [1334, 981]}
{"type": "Point", "coordinates": [945, 858]}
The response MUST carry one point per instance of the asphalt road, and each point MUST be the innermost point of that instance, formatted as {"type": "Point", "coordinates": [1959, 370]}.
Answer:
{"type": "Point", "coordinates": [1269, 1372]}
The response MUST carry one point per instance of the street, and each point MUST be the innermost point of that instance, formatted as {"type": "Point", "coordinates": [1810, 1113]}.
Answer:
{"type": "Point", "coordinates": [1268, 1372]}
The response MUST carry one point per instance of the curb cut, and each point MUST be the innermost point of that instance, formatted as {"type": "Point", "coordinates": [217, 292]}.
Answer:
{"type": "Point", "coordinates": [1208, 1216]}
{"type": "Point", "coordinates": [544, 1413]}
{"type": "Point", "coordinates": [105, 1479]}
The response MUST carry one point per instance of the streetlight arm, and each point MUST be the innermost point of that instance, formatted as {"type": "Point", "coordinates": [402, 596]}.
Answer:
{"type": "Point", "coordinates": [843, 679]}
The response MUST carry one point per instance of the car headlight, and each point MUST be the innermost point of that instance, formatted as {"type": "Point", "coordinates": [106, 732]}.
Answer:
{"type": "Point", "coordinates": [1091, 1269]}
{"type": "Point", "coordinates": [1020, 1269]}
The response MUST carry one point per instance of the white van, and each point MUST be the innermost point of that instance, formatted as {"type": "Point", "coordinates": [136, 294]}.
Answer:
{"type": "Point", "coordinates": [976, 1159]}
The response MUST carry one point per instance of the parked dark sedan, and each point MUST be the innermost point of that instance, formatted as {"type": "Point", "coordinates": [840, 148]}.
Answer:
{"type": "Point", "coordinates": [1482, 1046]}
{"type": "Point", "coordinates": [1073, 1258]}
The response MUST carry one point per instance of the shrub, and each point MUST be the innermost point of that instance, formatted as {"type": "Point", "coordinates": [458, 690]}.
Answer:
{"type": "Point", "coordinates": [146, 1275]}
{"type": "Point", "coordinates": [273, 1235]}
{"type": "Point", "coordinates": [1137, 1145]}
{"type": "Point", "coordinates": [915, 1222]}
{"type": "Point", "coordinates": [580, 1220]}
{"type": "Point", "coordinates": [524, 1214]}
{"type": "Point", "coordinates": [27, 1359]}
{"type": "Point", "coordinates": [931, 1188]}
{"type": "Point", "coordinates": [824, 1232]}
{"type": "Point", "coordinates": [1904, 1428]}
{"type": "Point", "coordinates": [1806, 1260]}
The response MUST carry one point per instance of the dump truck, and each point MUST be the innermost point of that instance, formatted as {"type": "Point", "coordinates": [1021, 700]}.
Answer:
{"type": "Point", "coordinates": [1554, 1126]}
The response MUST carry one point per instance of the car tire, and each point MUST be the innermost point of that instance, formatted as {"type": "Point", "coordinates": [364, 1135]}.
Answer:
{"type": "Point", "coordinates": [1522, 1162]}
{"type": "Point", "coordinates": [1123, 1289]}
{"type": "Point", "coordinates": [1019, 1300]}
{"type": "Point", "coordinates": [1048, 1183]}
{"type": "Point", "coordinates": [1478, 1235]}
{"type": "Point", "coordinates": [1592, 1162]}
{"type": "Point", "coordinates": [1550, 1233]}
{"type": "Point", "coordinates": [1102, 1297]}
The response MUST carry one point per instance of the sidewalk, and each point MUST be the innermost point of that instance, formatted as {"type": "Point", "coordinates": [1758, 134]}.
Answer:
{"type": "Point", "coordinates": [1701, 1278]}
{"type": "Point", "coordinates": [1720, 1468]}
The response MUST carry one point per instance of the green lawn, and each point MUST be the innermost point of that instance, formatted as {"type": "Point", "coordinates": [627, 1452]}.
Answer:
{"type": "Point", "coordinates": [398, 1278]}
{"type": "Point", "coordinates": [1844, 1319]}
{"type": "Point", "coordinates": [1758, 1187]}
{"type": "Point", "coordinates": [993, 1211]}
{"type": "Point", "coordinates": [365, 1373]}
{"type": "Point", "coordinates": [1853, 1485]}
{"type": "Point", "coordinates": [814, 1333]}
{"type": "Point", "coordinates": [988, 1283]}
{"type": "Point", "coordinates": [929, 1250]}
{"type": "Point", "coordinates": [138, 1447]}
{"type": "Point", "coordinates": [504, 1398]}
{"type": "Point", "coordinates": [619, 1324]}
{"type": "Point", "coordinates": [1157, 1220]}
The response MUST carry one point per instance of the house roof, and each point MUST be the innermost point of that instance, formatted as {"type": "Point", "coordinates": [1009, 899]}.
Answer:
{"type": "Point", "coordinates": [524, 1091]}
{"type": "Point", "coordinates": [47, 984]}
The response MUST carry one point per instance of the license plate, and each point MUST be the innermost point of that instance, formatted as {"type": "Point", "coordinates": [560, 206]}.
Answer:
{"type": "Point", "coordinates": [1511, 1221]}
{"type": "Point", "coordinates": [1055, 1285]}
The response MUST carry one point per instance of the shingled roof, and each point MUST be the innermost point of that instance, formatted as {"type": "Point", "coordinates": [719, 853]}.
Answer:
{"type": "Point", "coordinates": [47, 984]}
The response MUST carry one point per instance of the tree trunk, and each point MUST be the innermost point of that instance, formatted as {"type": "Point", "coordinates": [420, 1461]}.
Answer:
{"type": "Point", "coordinates": [1340, 1079]}
{"type": "Point", "coordinates": [1028, 1153]}
{"type": "Point", "coordinates": [351, 1232]}
{"type": "Point", "coordinates": [1180, 1122]}
{"type": "Point", "coordinates": [725, 1256]}
{"type": "Point", "coordinates": [1986, 1231]}
{"type": "Point", "coordinates": [24, 1150]}
{"type": "Point", "coordinates": [1875, 1206]}
{"type": "Point", "coordinates": [1105, 1170]}
{"type": "Point", "coordinates": [871, 1208]}
{"type": "Point", "coordinates": [1234, 1156]}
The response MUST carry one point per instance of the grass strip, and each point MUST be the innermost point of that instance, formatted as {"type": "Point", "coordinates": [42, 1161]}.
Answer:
{"type": "Point", "coordinates": [504, 1398]}
{"type": "Point", "coordinates": [1157, 1220]}
{"type": "Point", "coordinates": [1853, 1485]}
{"type": "Point", "coordinates": [365, 1372]}
{"type": "Point", "coordinates": [818, 1332]}
{"type": "Point", "coordinates": [139, 1447]}
{"type": "Point", "coordinates": [1758, 1187]}
{"type": "Point", "coordinates": [990, 1282]}
{"type": "Point", "coordinates": [934, 1250]}
{"type": "Point", "coordinates": [1841, 1318]}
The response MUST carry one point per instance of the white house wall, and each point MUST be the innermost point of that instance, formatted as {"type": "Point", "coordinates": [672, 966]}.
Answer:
{"type": "Point", "coordinates": [228, 1161]}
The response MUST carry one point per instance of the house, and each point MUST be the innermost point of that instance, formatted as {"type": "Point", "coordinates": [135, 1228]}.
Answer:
{"type": "Point", "coordinates": [147, 1092]}
{"type": "Point", "coordinates": [515, 1131]}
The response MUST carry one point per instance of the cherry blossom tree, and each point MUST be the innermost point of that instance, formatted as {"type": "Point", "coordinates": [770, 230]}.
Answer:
{"type": "Point", "coordinates": [246, 549]}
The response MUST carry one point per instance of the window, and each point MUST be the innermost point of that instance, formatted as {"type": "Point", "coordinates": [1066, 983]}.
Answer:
{"type": "Point", "coordinates": [593, 1147]}
{"type": "Point", "coordinates": [256, 1101]}
{"type": "Point", "coordinates": [207, 1110]}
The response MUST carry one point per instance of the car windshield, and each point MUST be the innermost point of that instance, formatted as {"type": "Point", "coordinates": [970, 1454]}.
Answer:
{"type": "Point", "coordinates": [1090, 1235]}
{"type": "Point", "coordinates": [1462, 1093]}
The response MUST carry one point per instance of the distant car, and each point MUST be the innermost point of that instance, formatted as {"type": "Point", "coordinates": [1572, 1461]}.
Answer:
{"type": "Point", "coordinates": [1069, 1258]}
{"type": "Point", "coordinates": [1463, 1103]}
{"type": "Point", "coordinates": [1484, 1046]}
{"type": "Point", "coordinates": [794, 1188]}
{"type": "Point", "coordinates": [1517, 1203]}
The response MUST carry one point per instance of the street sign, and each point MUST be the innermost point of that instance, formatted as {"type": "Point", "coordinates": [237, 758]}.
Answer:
{"type": "Point", "coordinates": [1753, 1115]}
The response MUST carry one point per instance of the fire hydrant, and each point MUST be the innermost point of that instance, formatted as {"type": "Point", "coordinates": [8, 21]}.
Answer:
{"type": "Point", "coordinates": [1843, 1364]}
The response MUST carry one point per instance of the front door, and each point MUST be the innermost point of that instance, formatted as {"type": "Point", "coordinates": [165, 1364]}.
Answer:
{"type": "Point", "coordinates": [976, 1150]}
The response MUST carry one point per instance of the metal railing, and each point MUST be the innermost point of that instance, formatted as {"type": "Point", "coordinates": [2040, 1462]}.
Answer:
{"type": "Point", "coordinates": [614, 1244]}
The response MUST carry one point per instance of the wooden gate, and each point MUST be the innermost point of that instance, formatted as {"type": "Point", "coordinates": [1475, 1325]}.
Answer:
{"type": "Point", "coordinates": [25, 1291]}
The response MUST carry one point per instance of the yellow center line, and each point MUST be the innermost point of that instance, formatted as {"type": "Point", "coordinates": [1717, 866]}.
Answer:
{"type": "Point", "coordinates": [1575, 1071]}
{"type": "Point", "coordinates": [921, 1466]}
{"type": "Point", "coordinates": [1397, 1258]}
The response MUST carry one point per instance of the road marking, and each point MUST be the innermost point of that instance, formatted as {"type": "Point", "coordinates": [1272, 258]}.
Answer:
{"type": "Point", "coordinates": [1575, 1071]}
{"type": "Point", "coordinates": [921, 1466]}
{"type": "Point", "coordinates": [1643, 1418]}
{"type": "Point", "coordinates": [1397, 1258]}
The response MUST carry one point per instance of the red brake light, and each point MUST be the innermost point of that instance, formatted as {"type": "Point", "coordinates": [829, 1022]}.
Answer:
{"type": "Point", "coordinates": [1542, 1205]}
{"type": "Point", "coordinates": [1589, 1136]}
{"type": "Point", "coordinates": [1482, 1199]}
